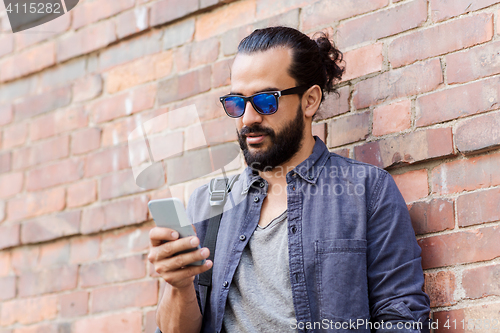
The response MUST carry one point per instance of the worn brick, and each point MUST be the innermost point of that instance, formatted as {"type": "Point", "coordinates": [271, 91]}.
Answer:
{"type": "Point", "coordinates": [6, 114]}
{"type": "Point", "coordinates": [382, 23]}
{"type": "Point", "coordinates": [44, 328]}
{"type": "Point", "coordinates": [213, 132]}
{"type": "Point", "coordinates": [50, 227]}
{"type": "Point", "coordinates": [118, 184]}
{"type": "Point", "coordinates": [41, 103]}
{"type": "Point", "coordinates": [24, 259]}
{"type": "Point", "coordinates": [63, 74]}
{"type": "Point", "coordinates": [363, 61]}
{"type": "Point", "coordinates": [466, 174]}
{"type": "Point", "coordinates": [81, 193]}
{"type": "Point", "coordinates": [11, 184]}
{"type": "Point", "coordinates": [168, 10]}
{"type": "Point", "coordinates": [221, 72]}
{"type": "Point", "coordinates": [178, 33]}
{"type": "Point", "coordinates": [54, 254]}
{"type": "Point", "coordinates": [74, 304]}
{"type": "Point", "coordinates": [9, 235]}
{"type": "Point", "coordinates": [137, 294]}
{"type": "Point", "coordinates": [478, 207]}
{"type": "Point", "coordinates": [115, 214]}
{"type": "Point", "coordinates": [18, 88]}
{"type": "Point", "coordinates": [86, 88]}
{"type": "Point", "coordinates": [391, 118]}
{"type": "Point", "coordinates": [231, 39]}
{"type": "Point", "coordinates": [28, 310]}
{"type": "Point", "coordinates": [84, 249]}
{"type": "Point", "coordinates": [478, 134]}
{"type": "Point", "coordinates": [472, 245]}
{"type": "Point", "coordinates": [7, 42]}
{"type": "Point", "coordinates": [149, 68]}
{"type": "Point", "coordinates": [471, 318]}
{"type": "Point", "coordinates": [43, 32]}
{"type": "Point", "coordinates": [334, 104]}
{"type": "Point", "coordinates": [58, 122]}
{"type": "Point", "coordinates": [456, 102]}
{"type": "Point", "coordinates": [106, 161]}
{"type": "Point", "coordinates": [91, 11]}
{"type": "Point", "coordinates": [127, 322]}
{"type": "Point", "coordinates": [432, 216]}
{"type": "Point", "coordinates": [219, 20]}
{"type": "Point", "coordinates": [129, 241]}
{"type": "Point", "coordinates": [445, 9]}
{"type": "Point", "coordinates": [2, 210]}
{"type": "Point", "coordinates": [7, 287]}
{"type": "Point", "coordinates": [185, 85]}
{"type": "Point", "coordinates": [139, 16]}
{"type": "Point", "coordinates": [48, 281]}
{"type": "Point", "coordinates": [440, 287]}
{"type": "Point", "coordinates": [35, 204]}
{"type": "Point", "coordinates": [480, 282]}
{"type": "Point", "coordinates": [402, 82]}
{"type": "Point", "coordinates": [58, 173]}
{"type": "Point", "coordinates": [27, 62]}
{"type": "Point", "coordinates": [207, 106]}
{"type": "Point", "coordinates": [5, 263]}
{"type": "Point", "coordinates": [347, 129]}
{"type": "Point", "coordinates": [407, 149]}
{"type": "Point", "coordinates": [319, 130]}
{"type": "Point", "coordinates": [150, 321]}
{"type": "Point", "coordinates": [5, 162]}
{"type": "Point", "coordinates": [413, 185]}
{"type": "Point", "coordinates": [14, 135]}
{"type": "Point", "coordinates": [85, 140]}
{"type": "Point", "coordinates": [86, 40]}
{"type": "Point", "coordinates": [204, 52]}
{"type": "Point", "coordinates": [117, 270]}
{"type": "Point", "coordinates": [441, 39]}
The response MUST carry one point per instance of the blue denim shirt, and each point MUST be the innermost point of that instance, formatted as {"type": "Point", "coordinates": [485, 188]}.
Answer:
{"type": "Point", "coordinates": [353, 256]}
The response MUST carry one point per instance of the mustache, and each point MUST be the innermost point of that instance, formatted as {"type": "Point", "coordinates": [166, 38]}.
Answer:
{"type": "Point", "coordinates": [255, 129]}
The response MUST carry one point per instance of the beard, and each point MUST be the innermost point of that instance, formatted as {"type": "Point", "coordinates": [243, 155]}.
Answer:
{"type": "Point", "coordinates": [284, 144]}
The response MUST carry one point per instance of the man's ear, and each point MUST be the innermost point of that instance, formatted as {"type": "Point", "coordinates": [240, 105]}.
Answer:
{"type": "Point", "coordinates": [311, 100]}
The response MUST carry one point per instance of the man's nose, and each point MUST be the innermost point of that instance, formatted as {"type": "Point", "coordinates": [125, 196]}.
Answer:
{"type": "Point", "coordinates": [251, 116]}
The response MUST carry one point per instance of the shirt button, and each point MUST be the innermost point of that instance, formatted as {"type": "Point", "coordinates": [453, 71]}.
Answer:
{"type": "Point", "coordinates": [256, 199]}
{"type": "Point", "coordinates": [262, 184]}
{"type": "Point", "coordinates": [310, 177]}
{"type": "Point", "coordinates": [294, 229]}
{"type": "Point", "coordinates": [225, 284]}
{"type": "Point", "coordinates": [243, 237]}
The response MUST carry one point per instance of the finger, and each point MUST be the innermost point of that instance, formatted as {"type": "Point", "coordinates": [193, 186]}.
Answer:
{"type": "Point", "coordinates": [184, 259]}
{"type": "Point", "coordinates": [158, 235]}
{"type": "Point", "coordinates": [169, 249]}
{"type": "Point", "coordinates": [178, 277]}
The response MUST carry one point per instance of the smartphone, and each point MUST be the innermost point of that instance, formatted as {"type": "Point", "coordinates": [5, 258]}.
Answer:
{"type": "Point", "coordinates": [170, 213]}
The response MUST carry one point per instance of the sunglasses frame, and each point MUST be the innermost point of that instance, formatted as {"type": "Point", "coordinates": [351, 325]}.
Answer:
{"type": "Point", "coordinates": [276, 94]}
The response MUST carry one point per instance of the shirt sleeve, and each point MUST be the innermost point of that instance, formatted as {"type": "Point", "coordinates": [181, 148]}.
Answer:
{"type": "Point", "coordinates": [395, 275]}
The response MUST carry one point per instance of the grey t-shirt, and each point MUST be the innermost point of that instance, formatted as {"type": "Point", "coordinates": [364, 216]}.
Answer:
{"type": "Point", "coordinates": [260, 295]}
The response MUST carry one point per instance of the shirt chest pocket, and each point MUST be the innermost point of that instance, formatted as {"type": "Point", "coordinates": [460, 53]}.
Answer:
{"type": "Point", "coordinates": [340, 268]}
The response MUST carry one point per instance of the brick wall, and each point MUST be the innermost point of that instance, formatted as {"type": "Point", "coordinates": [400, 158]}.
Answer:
{"type": "Point", "coordinates": [420, 98]}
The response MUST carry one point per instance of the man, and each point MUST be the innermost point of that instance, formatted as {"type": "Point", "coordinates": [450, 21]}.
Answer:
{"type": "Point", "coordinates": [318, 242]}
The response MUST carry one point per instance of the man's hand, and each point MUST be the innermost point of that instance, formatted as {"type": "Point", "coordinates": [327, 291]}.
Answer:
{"type": "Point", "coordinates": [173, 268]}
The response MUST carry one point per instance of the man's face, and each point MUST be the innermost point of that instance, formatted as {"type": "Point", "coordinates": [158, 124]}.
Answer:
{"type": "Point", "coordinates": [267, 140]}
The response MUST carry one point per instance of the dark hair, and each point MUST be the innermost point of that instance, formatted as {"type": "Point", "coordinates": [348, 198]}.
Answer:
{"type": "Point", "coordinates": [314, 61]}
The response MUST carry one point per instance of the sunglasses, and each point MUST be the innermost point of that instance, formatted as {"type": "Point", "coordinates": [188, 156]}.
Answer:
{"type": "Point", "coordinates": [265, 103]}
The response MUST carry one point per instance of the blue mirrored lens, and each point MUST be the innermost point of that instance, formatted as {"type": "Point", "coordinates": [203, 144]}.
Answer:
{"type": "Point", "coordinates": [235, 106]}
{"type": "Point", "coordinates": [266, 103]}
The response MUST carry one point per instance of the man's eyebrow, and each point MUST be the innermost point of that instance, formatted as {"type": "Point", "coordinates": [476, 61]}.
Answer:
{"type": "Point", "coordinates": [259, 91]}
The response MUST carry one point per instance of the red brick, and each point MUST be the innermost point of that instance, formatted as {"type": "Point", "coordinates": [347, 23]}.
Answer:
{"type": "Point", "coordinates": [474, 63]}
{"type": "Point", "coordinates": [28, 310]}
{"type": "Point", "coordinates": [89, 12]}
{"type": "Point", "coordinates": [85, 140]}
{"type": "Point", "coordinates": [84, 249]}
{"type": "Point", "coordinates": [221, 19]}
{"type": "Point", "coordinates": [35, 204]}
{"type": "Point", "coordinates": [42, 103]}
{"type": "Point", "coordinates": [478, 134]}
{"type": "Point", "coordinates": [118, 184]}
{"type": "Point", "coordinates": [7, 287]}
{"type": "Point", "coordinates": [25, 259]}
{"type": "Point", "coordinates": [43, 32]}
{"type": "Point", "coordinates": [334, 104]}
{"type": "Point", "coordinates": [58, 173]}
{"type": "Point", "coordinates": [469, 319]}
{"type": "Point", "coordinates": [472, 245]}
{"type": "Point", "coordinates": [14, 135]}
{"type": "Point", "coordinates": [5, 162]}
{"type": "Point", "coordinates": [395, 117]}
{"type": "Point", "coordinates": [64, 74]}
{"type": "Point", "coordinates": [6, 114]}
{"type": "Point", "coordinates": [117, 270]}
{"type": "Point", "coordinates": [185, 85]}
{"type": "Point", "coordinates": [128, 322]}
{"type": "Point", "coordinates": [81, 193]}
{"type": "Point", "coordinates": [5, 263]}
{"type": "Point", "coordinates": [204, 52]}
{"type": "Point", "coordinates": [2, 210]}
{"type": "Point", "coordinates": [132, 240]}
{"type": "Point", "coordinates": [106, 161]}
{"type": "Point", "coordinates": [432, 216]}
{"type": "Point", "coordinates": [27, 62]}
{"type": "Point", "coordinates": [7, 42]}
{"type": "Point", "coordinates": [213, 132]}
{"type": "Point", "coordinates": [342, 152]}
{"type": "Point", "coordinates": [168, 10]}
{"type": "Point", "coordinates": [74, 304]}
{"type": "Point", "coordinates": [407, 148]}
{"type": "Point", "coordinates": [382, 23]}
{"type": "Point", "coordinates": [115, 214]}
{"type": "Point", "coordinates": [9, 235]}
{"type": "Point", "coordinates": [50, 227]}
{"type": "Point", "coordinates": [87, 88]}
{"type": "Point", "coordinates": [456, 102]}
{"type": "Point", "coordinates": [41, 152]}
{"type": "Point", "coordinates": [137, 294]}
{"type": "Point", "coordinates": [347, 129]}
{"type": "Point", "coordinates": [445, 9]}
{"type": "Point", "coordinates": [11, 184]}
{"type": "Point", "coordinates": [149, 68]}
{"type": "Point", "coordinates": [48, 281]}
{"type": "Point", "coordinates": [441, 39]}
{"type": "Point", "coordinates": [412, 184]}
{"type": "Point", "coordinates": [319, 130]}
{"type": "Point", "coordinates": [207, 107]}
{"type": "Point", "coordinates": [231, 39]}
{"type": "Point", "coordinates": [440, 287]}
{"type": "Point", "coordinates": [363, 61]}
{"type": "Point", "coordinates": [407, 81]}
{"type": "Point", "coordinates": [54, 254]}
{"type": "Point", "coordinates": [178, 33]}
{"type": "Point", "coordinates": [478, 207]}
{"type": "Point", "coordinates": [150, 319]}
{"type": "Point", "coordinates": [86, 40]}
{"type": "Point", "coordinates": [326, 12]}
{"type": "Point", "coordinates": [58, 122]}
{"type": "Point", "coordinates": [140, 17]}
{"type": "Point", "coordinates": [221, 72]}
{"type": "Point", "coordinates": [480, 282]}
{"type": "Point", "coordinates": [466, 174]}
